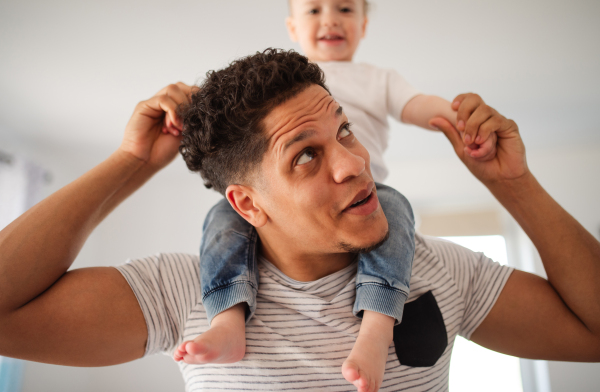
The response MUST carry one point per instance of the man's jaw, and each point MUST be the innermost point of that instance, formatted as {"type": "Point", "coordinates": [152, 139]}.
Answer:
{"type": "Point", "coordinates": [349, 248]}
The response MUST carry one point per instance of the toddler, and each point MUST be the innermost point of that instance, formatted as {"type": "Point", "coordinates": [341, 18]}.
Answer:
{"type": "Point", "coordinates": [329, 32]}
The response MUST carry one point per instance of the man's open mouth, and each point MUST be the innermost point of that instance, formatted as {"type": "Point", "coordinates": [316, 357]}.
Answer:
{"type": "Point", "coordinates": [361, 202]}
{"type": "Point", "coordinates": [360, 199]}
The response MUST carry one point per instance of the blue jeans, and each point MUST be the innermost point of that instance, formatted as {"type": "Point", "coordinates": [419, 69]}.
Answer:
{"type": "Point", "coordinates": [229, 272]}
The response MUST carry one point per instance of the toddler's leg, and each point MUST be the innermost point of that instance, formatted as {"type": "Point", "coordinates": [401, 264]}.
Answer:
{"type": "Point", "coordinates": [365, 365]}
{"type": "Point", "coordinates": [224, 342]}
{"type": "Point", "coordinates": [229, 282]}
{"type": "Point", "coordinates": [382, 286]}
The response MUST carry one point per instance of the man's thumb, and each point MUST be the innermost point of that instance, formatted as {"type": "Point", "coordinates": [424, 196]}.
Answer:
{"type": "Point", "coordinates": [448, 129]}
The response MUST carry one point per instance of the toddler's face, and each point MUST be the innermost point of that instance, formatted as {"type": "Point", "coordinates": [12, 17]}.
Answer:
{"type": "Point", "coordinates": [327, 30]}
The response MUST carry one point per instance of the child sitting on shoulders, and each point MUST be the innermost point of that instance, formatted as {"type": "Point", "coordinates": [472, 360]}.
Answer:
{"type": "Point", "coordinates": [329, 32]}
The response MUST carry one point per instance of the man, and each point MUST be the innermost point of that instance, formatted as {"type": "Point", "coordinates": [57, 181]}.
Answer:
{"type": "Point", "coordinates": [303, 327]}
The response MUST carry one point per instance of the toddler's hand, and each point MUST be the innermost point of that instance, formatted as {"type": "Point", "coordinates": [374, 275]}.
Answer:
{"type": "Point", "coordinates": [476, 122]}
{"type": "Point", "coordinates": [485, 151]}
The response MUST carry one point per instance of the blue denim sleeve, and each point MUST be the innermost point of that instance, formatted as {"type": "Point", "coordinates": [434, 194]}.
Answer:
{"type": "Point", "coordinates": [383, 278]}
{"type": "Point", "coordinates": [228, 268]}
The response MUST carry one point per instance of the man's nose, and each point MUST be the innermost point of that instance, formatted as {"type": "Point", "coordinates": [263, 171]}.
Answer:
{"type": "Point", "coordinates": [346, 165]}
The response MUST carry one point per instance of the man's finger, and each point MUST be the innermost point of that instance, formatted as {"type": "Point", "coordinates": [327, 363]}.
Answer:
{"type": "Point", "coordinates": [472, 128]}
{"type": "Point", "coordinates": [180, 93]}
{"type": "Point", "coordinates": [490, 126]}
{"type": "Point", "coordinates": [458, 100]}
{"type": "Point", "coordinates": [467, 106]}
{"type": "Point", "coordinates": [187, 90]}
{"type": "Point", "coordinates": [157, 106]}
{"type": "Point", "coordinates": [179, 86]}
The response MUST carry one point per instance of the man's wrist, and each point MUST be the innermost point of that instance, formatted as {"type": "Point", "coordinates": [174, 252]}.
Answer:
{"type": "Point", "coordinates": [514, 190]}
{"type": "Point", "coordinates": [129, 163]}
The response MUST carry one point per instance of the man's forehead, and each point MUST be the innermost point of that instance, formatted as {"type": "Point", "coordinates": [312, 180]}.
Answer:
{"type": "Point", "coordinates": [312, 104]}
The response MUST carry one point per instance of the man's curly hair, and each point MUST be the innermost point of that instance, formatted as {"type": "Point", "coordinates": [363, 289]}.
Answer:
{"type": "Point", "coordinates": [223, 135]}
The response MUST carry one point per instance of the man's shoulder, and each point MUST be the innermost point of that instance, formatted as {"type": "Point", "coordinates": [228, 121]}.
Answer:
{"type": "Point", "coordinates": [167, 287]}
{"type": "Point", "coordinates": [433, 253]}
{"type": "Point", "coordinates": [176, 267]}
{"type": "Point", "coordinates": [442, 249]}
{"type": "Point", "coordinates": [168, 258]}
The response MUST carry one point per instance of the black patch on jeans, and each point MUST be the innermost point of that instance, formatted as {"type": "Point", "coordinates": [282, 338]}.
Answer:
{"type": "Point", "coordinates": [421, 337]}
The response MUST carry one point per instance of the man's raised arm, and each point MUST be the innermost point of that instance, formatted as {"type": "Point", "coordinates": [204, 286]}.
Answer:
{"type": "Point", "coordinates": [86, 317]}
{"type": "Point", "coordinates": [555, 319]}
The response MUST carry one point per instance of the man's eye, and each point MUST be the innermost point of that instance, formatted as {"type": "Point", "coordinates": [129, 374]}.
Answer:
{"type": "Point", "coordinates": [345, 131]}
{"type": "Point", "coordinates": [305, 157]}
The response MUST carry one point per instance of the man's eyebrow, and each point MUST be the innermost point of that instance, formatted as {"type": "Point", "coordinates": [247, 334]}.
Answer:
{"type": "Point", "coordinates": [309, 132]}
{"type": "Point", "coordinates": [299, 137]}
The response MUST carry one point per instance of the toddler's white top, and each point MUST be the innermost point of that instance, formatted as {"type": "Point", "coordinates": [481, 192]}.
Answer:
{"type": "Point", "coordinates": [369, 95]}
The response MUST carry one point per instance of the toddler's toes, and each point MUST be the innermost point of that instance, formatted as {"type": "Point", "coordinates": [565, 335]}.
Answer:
{"type": "Point", "coordinates": [350, 371]}
{"type": "Point", "coordinates": [180, 352]}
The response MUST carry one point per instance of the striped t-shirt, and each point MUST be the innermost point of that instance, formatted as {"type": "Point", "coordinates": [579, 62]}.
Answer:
{"type": "Point", "coordinates": [302, 331]}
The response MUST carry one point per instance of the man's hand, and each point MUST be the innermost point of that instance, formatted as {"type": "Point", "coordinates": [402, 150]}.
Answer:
{"type": "Point", "coordinates": [153, 133]}
{"type": "Point", "coordinates": [557, 319]}
{"type": "Point", "coordinates": [478, 122]}
{"type": "Point", "coordinates": [85, 317]}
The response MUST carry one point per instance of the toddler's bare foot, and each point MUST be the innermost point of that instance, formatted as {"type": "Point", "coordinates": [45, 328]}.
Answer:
{"type": "Point", "coordinates": [365, 365]}
{"type": "Point", "coordinates": [224, 342]}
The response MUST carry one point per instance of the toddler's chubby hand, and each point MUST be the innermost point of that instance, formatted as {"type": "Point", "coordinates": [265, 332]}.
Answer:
{"type": "Point", "coordinates": [477, 124]}
{"type": "Point", "coordinates": [485, 151]}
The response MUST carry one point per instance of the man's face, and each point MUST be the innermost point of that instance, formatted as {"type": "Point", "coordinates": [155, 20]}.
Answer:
{"type": "Point", "coordinates": [317, 183]}
{"type": "Point", "coordinates": [327, 30]}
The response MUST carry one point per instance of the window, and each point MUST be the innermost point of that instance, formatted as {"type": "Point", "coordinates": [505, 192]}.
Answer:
{"type": "Point", "coordinates": [475, 368]}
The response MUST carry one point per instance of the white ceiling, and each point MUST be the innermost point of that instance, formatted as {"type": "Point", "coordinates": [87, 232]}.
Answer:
{"type": "Point", "coordinates": [72, 71]}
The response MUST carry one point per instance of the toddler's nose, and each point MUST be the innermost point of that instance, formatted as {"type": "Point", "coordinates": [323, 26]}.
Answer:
{"type": "Point", "coordinates": [329, 19]}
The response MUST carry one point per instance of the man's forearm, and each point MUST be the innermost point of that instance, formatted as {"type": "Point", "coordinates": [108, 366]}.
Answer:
{"type": "Point", "coordinates": [570, 254]}
{"type": "Point", "coordinates": [38, 247]}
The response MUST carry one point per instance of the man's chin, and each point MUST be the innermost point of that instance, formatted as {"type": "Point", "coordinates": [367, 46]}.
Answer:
{"type": "Point", "coordinates": [363, 248]}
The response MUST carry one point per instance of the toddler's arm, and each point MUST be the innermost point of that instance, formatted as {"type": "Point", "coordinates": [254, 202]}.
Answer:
{"type": "Point", "coordinates": [422, 109]}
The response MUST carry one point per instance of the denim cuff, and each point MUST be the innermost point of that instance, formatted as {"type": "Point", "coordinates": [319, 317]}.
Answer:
{"type": "Point", "coordinates": [223, 298]}
{"type": "Point", "coordinates": [380, 298]}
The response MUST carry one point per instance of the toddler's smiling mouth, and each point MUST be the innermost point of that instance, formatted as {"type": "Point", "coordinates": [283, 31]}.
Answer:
{"type": "Point", "coordinates": [331, 37]}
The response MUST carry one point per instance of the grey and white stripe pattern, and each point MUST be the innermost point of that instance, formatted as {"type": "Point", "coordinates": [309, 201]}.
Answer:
{"type": "Point", "coordinates": [302, 332]}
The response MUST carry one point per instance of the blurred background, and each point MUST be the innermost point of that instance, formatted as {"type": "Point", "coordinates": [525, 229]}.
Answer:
{"type": "Point", "coordinates": [71, 73]}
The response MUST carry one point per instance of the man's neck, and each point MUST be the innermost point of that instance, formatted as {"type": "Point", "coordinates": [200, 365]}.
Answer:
{"type": "Point", "coordinates": [304, 267]}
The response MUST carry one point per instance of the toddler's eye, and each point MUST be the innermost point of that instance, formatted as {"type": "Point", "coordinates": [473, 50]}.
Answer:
{"type": "Point", "coordinates": [346, 10]}
{"type": "Point", "coordinates": [305, 157]}
{"type": "Point", "coordinates": [345, 131]}
{"type": "Point", "coordinates": [314, 11]}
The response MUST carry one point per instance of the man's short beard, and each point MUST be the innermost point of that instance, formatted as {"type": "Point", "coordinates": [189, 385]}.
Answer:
{"type": "Point", "coordinates": [353, 249]}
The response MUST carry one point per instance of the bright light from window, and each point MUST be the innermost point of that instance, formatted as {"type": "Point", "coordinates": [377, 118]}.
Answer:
{"type": "Point", "coordinates": [472, 367]}
{"type": "Point", "coordinates": [494, 246]}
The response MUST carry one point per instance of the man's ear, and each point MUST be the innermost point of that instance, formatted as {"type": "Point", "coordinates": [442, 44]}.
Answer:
{"type": "Point", "coordinates": [364, 26]}
{"type": "Point", "coordinates": [243, 201]}
{"type": "Point", "coordinates": [291, 28]}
